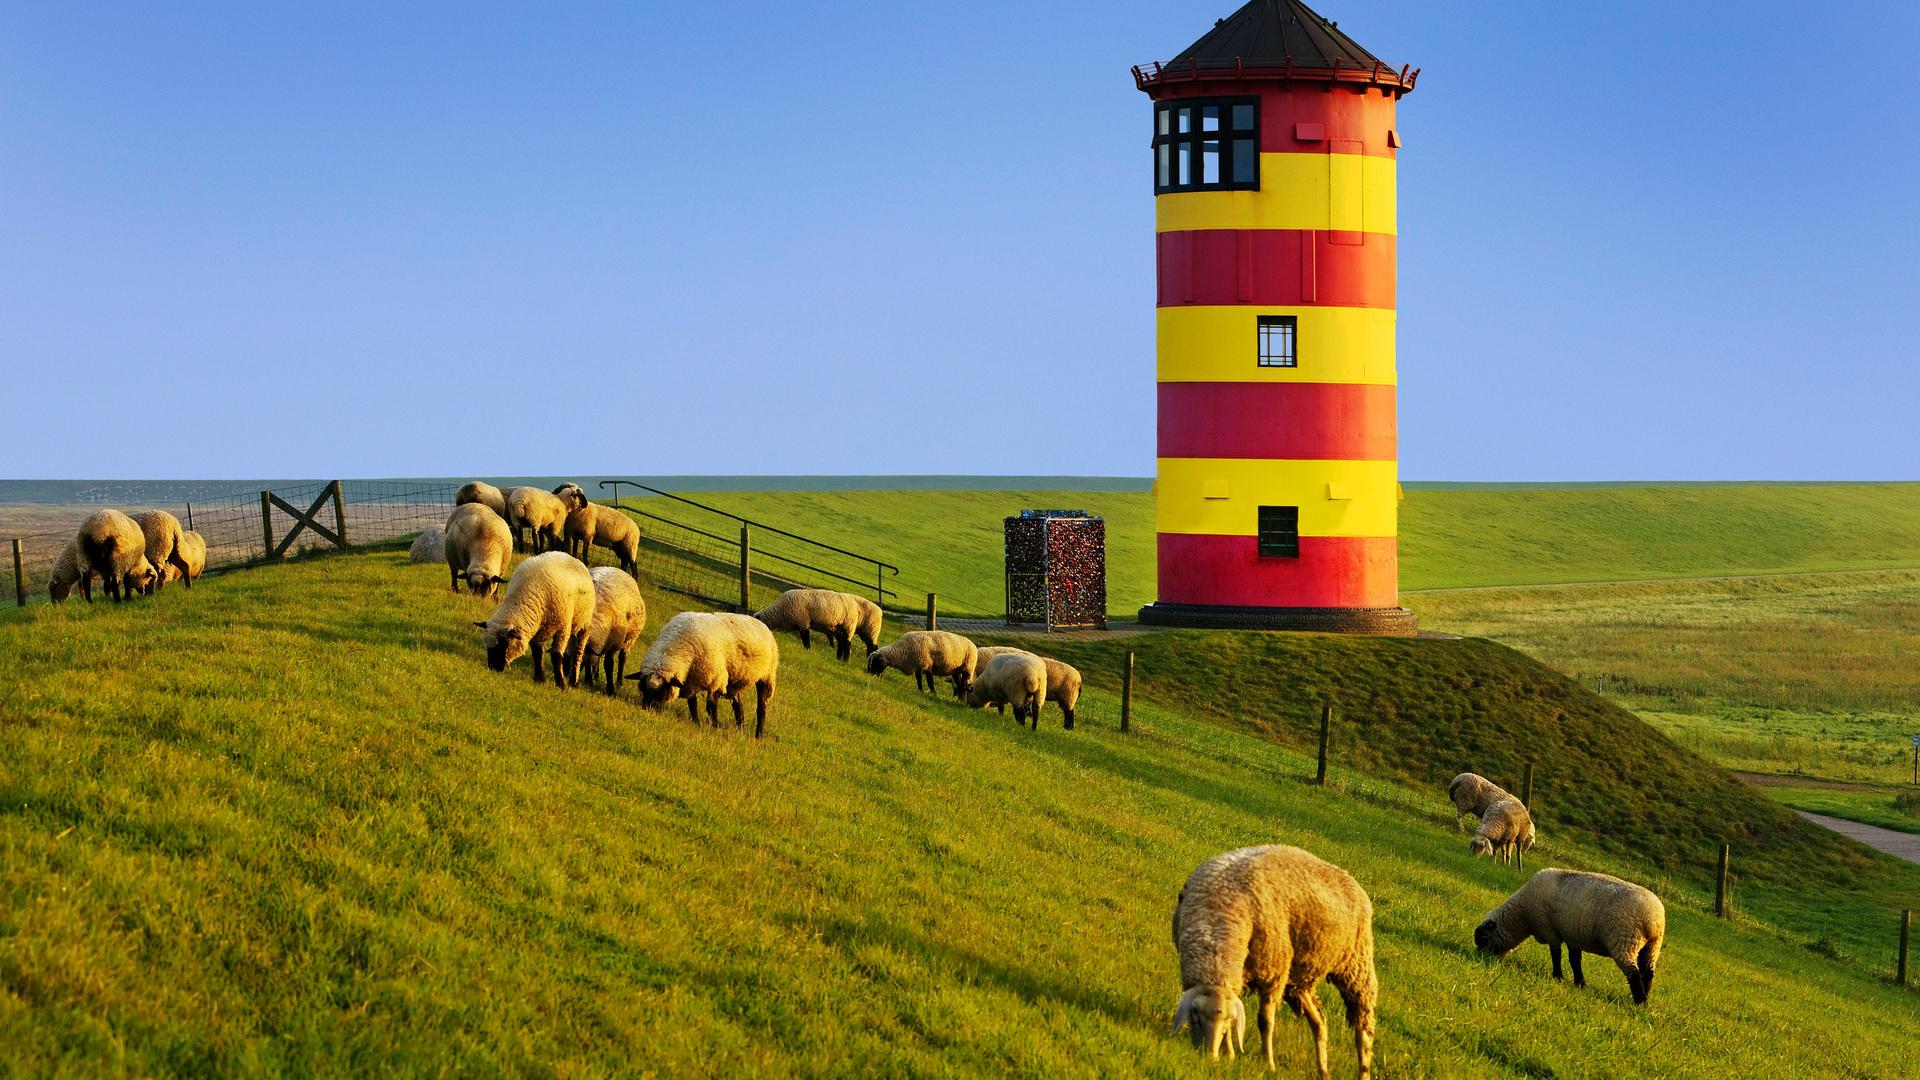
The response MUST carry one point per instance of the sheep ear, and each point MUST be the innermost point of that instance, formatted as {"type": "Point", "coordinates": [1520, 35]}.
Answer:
{"type": "Point", "coordinates": [1183, 1010]}
{"type": "Point", "coordinates": [498, 580]}
{"type": "Point", "coordinates": [481, 625]}
{"type": "Point", "coordinates": [1240, 1024]}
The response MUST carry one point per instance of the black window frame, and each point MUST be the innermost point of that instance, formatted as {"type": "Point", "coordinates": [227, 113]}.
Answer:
{"type": "Point", "coordinates": [1188, 147]}
{"type": "Point", "coordinates": [1291, 323]}
{"type": "Point", "coordinates": [1278, 532]}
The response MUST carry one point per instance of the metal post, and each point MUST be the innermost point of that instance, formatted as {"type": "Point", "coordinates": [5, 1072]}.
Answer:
{"type": "Point", "coordinates": [933, 611]}
{"type": "Point", "coordinates": [1126, 696]}
{"type": "Point", "coordinates": [1526, 786]}
{"type": "Point", "coordinates": [1326, 726]}
{"type": "Point", "coordinates": [746, 574]}
{"type": "Point", "coordinates": [1916, 759]}
{"type": "Point", "coordinates": [1906, 928]}
{"type": "Point", "coordinates": [19, 576]}
{"type": "Point", "coordinates": [879, 584]}
{"type": "Point", "coordinates": [189, 517]}
{"type": "Point", "coordinates": [266, 526]}
{"type": "Point", "coordinates": [339, 513]}
{"type": "Point", "coordinates": [1720, 888]}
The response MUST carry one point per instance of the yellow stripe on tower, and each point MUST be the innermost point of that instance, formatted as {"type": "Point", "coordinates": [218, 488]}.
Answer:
{"type": "Point", "coordinates": [1346, 192]}
{"type": "Point", "coordinates": [1222, 344]}
{"type": "Point", "coordinates": [1222, 496]}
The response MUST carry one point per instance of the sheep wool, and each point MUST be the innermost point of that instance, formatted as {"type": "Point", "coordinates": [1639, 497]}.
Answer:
{"type": "Point", "coordinates": [162, 531]}
{"type": "Point", "coordinates": [193, 550]}
{"type": "Point", "coordinates": [486, 494]}
{"type": "Point", "coordinates": [925, 654]}
{"type": "Point", "coordinates": [549, 604]}
{"type": "Point", "coordinates": [1588, 913]}
{"type": "Point", "coordinates": [1063, 679]}
{"type": "Point", "coordinates": [69, 570]}
{"type": "Point", "coordinates": [1013, 678]}
{"type": "Point", "coordinates": [1276, 920]}
{"type": "Point", "coordinates": [1472, 794]}
{"type": "Point", "coordinates": [477, 547]}
{"type": "Point", "coordinates": [541, 513]}
{"type": "Point", "coordinates": [1506, 832]}
{"type": "Point", "coordinates": [840, 616]}
{"type": "Point", "coordinates": [715, 655]}
{"type": "Point", "coordinates": [112, 546]}
{"type": "Point", "coordinates": [591, 525]}
{"type": "Point", "coordinates": [619, 614]}
{"type": "Point", "coordinates": [430, 546]}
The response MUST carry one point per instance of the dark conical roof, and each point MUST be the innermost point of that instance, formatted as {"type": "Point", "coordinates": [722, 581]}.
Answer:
{"type": "Point", "coordinates": [1284, 34]}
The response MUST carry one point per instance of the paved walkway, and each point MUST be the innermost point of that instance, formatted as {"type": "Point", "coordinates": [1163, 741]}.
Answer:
{"type": "Point", "coordinates": [1900, 845]}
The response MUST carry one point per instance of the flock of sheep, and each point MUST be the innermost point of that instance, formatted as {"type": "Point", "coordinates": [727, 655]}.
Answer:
{"type": "Point", "coordinates": [132, 555]}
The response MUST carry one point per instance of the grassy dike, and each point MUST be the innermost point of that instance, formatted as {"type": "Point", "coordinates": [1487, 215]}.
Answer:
{"type": "Point", "coordinates": [288, 823]}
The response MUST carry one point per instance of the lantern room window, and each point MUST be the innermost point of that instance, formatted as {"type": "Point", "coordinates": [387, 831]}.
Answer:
{"type": "Point", "coordinates": [1279, 341]}
{"type": "Point", "coordinates": [1206, 144]}
{"type": "Point", "coordinates": [1279, 532]}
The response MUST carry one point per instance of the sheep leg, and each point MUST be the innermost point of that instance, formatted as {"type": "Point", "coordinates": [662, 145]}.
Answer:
{"type": "Point", "coordinates": [1460, 822]}
{"type": "Point", "coordinates": [806, 642]}
{"type": "Point", "coordinates": [1268, 999]}
{"type": "Point", "coordinates": [739, 712]}
{"type": "Point", "coordinates": [1303, 1002]}
{"type": "Point", "coordinates": [539, 673]}
{"type": "Point", "coordinates": [1553, 950]}
{"type": "Point", "coordinates": [589, 670]}
{"type": "Point", "coordinates": [1573, 961]}
{"type": "Point", "coordinates": [562, 671]}
{"type": "Point", "coordinates": [693, 708]}
{"type": "Point", "coordinates": [180, 564]}
{"type": "Point", "coordinates": [762, 693]}
{"type": "Point", "coordinates": [623, 665]}
{"type": "Point", "coordinates": [1632, 971]}
{"type": "Point", "coordinates": [1645, 964]}
{"type": "Point", "coordinates": [1068, 712]}
{"type": "Point", "coordinates": [86, 586]}
{"type": "Point", "coordinates": [454, 571]}
{"type": "Point", "coordinates": [606, 671]}
{"type": "Point", "coordinates": [713, 709]}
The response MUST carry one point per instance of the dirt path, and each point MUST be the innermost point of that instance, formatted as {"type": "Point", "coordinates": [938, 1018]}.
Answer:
{"type": "Point", "coordinates": [1897, 844]}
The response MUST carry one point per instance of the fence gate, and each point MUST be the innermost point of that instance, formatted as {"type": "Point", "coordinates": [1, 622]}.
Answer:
{"type": "Point", "coordinates": [337, 536]}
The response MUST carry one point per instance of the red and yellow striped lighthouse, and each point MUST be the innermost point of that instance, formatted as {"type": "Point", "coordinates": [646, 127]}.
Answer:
{"type": "Point", "coordinates": [1274, 174]}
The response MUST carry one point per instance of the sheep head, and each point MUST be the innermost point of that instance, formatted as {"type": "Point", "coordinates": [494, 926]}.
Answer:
{"type": "Point", "coordinates": [656, 690]}
{"type": "Point", "coordinates": [481, 583]}
{"type": "Point", "coordinates": [876, 664]}
{"type": "Point", "coordinates": [142, 577]}
{"type": "Point", "coordinates": [1214, 1017]}
{"type": "Point", "coordinates": [1493, 938]}
{"type": "Point", "coordinates": [505, 644]}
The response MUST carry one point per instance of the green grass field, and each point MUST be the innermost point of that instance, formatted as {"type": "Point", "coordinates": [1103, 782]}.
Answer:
{"type": "Point", "coordinates": [288, 823]}
{"type": "Point", "coordinates": [1874, 806]}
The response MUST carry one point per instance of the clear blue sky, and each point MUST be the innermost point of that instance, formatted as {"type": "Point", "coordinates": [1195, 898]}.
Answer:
{"type": "Point", "coordinates": [1638, 240]}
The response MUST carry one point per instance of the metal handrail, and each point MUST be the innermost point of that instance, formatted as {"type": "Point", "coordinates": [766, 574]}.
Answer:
{"type": "Point", "coordinates": [881, 563]}
{"type": "Point", "coordinates": [760, 553]}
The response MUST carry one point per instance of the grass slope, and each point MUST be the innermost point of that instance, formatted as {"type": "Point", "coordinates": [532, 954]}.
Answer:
{"type": "Point", "coordinates": [287, 823]}
{"type": "Point", "coordinates": [950, 541]}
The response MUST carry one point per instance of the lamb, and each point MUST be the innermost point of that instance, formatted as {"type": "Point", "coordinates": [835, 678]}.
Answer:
{"type": "Point", "coordinates": [927, 653]}
{"type": "Point", "coordinates": [590, 524]}
{"type": "Point", "coordinates": [1012, 678]}
{"type": "Point", "coordinates": [193, 549]}
{"type": "Point", "coordinates": [1587, 912]}
{"type": "Point", "coordinates": [840, 616]}
{"type": "Point", "coordinates": [1063, 679]}
{"type": "Point", "coordinates": [718, 654]}
{"type": "Point", "coordinates": [619, 614]}
{"type": "Point", "coordinates": [549, 603]}
{"type": "Point", "coordinates": [70, 570]}
{"type": "Point", "coordinates": [1473, 794]}
{"type": "Point", "coordinates": [486, 494]}
{"type": "Point", "coordinates": [112, 546]}
{"type": "Point", "coordinates": [1506, 831]}
{"type": "Point", "coordinates": [478, 546]}
{"type": "Point", "coordinates": [1277, 920]}
{"type": "Point", "coordinates": [162, 531]}
{"type": "Point", "coordinates": [431, 545]}
{"type": "Point", "coordinates": [540, 513]}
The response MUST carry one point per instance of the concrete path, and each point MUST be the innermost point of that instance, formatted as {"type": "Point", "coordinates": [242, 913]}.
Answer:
{"type": "Point", "coordinates": [1900, 845]}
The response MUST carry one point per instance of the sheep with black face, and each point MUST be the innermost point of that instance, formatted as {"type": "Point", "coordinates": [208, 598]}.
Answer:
{"type": "Point", "coordinates": [713, 655]}
{"type": "Point", "coordinates": [1588, 913]}
{"type": "Point", "coordinates": [548, 607]}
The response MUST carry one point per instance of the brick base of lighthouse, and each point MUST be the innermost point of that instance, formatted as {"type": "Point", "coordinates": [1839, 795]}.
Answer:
{"type": "Point", "coordinates": [1379, 622]}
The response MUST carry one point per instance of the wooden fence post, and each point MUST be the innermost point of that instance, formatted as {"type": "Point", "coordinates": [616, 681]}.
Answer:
{"type": "Point", "coordinates": [1906, 928]}
{"type": "Point", "coordinates": [933, 612]}
{"type": "Point", "coordinates": [1526, 786]}
{"type": "Point", "coordinates": [1720, 879]}
{"type": "Point", "coordinates": [339, 513]}
{"type": "Point", "coordinates": [746, 573]}
{"type": "Point", "coordinates": [189, 517]}
{"type": "Point", "coordinates": [1326, 726]}
{"type": "Point", "coordinates": [19, 577]}
{"type": "Point", "coordinates": [266, 525]}
{"type": "Point", "coordinates": [1126, 696]}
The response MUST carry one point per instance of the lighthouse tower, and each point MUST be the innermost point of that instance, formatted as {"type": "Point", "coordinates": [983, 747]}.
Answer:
{"type": "Point", "coordinates": [1274, 165]}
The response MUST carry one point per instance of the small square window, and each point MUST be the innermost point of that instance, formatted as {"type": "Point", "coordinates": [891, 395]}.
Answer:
{"type": "Point", "coordinates": [1279, 536]}
{"type": "Point", "coordinates": [1279, 341]}
{"type": "Point", "coordinates": [1206, 145]}
{"type": "Point", "coordinates": [1243, 118]}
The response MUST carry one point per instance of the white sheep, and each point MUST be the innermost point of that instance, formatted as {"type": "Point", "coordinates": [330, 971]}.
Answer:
{"type": "Point", "coordinates": [70, 570]}
{"type": "Point", "coordinates": [541, 513]}
{"type": "Point", "coordinates": [549, 603]}
{"type": "Point", "coordinates": [193, 551]}
{"type": "Point", "coordinates": [486, 494]}
{"type": "Point", "coordinates": [1276, 920]}
{"type": "Point", "coordinates": [1013, 678]}
{"type": "Point", "coordinates": [431, 545]}
{"type": "Point", "coordinates": [478, 546]}
{"type": "Point", "coordinates": [715, 654]}
{"type": "Point", "coordinates": [591, 525]}
{"type": "Point", "coordinates": [619, 614]}
{"type": "Point", "coordinates": [925, 654]}
{"type": "Point", "coordinates": [1506, 832]}
{"type": "Point", "coordinates": [1587, 912]}
{"type": "Point", "coordinates": [840, 616]}
{"type": "Point", "coordinates": [1063, 679]}
{"type": "Point", "coordinates": [1473, 794]}
{"type": "Point", "coordinates": [112, 546]}
{"type": "Point", "coordinates": [162, 531]}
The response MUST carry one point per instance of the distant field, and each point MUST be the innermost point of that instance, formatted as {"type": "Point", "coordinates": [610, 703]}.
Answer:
{"type": "Point", "coordinates": [1874, 807]}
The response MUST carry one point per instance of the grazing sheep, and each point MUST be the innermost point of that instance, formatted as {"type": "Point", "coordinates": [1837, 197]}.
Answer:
{"type": "Point", "coordinates": [163, 533]}
{"type": "Point", "coordinates": [1276, 920]}
{"type": "Point", "coordinates": [70, 570]}
{"type": "Point", "coordinates": [477, 548]}
{"type": "Point", "coordinates": [1473, 794]}
{"type": "Point", "coordinates": [549, 603]}
{"type": "Point", "coordinates": [838, 615]}
{"type": "Point", "coordinates": [590, 524]}
{"type": "Point", "coordinates": [716, 654]}
{"type": "Point", "coordinates": [925, 654]}
{"type": "Point", "coordinates": [193, 549]}
{"type": "Point", "coordinates": [1012, 678]}
{"type": "Point", "coordinates": [1587, 912]}
{"type": "Point", "coordinates": [486, 494]}
{"type": "Point", "coordinates": [541, 513]}
{"type": "Point", "coordinates": [1063, 679]}
{"type": "Point", "coordinates": [1506, 831]}
{"type": "Point", "coordinates": [112, 546]}
{"type": "Point", "coordinates": [619, 614]}
{"type": "Point", "coordinates": [431, 545]}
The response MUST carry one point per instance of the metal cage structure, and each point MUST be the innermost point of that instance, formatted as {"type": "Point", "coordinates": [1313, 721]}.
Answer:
{"type": "Point", "coordinates": [1057, 569]}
